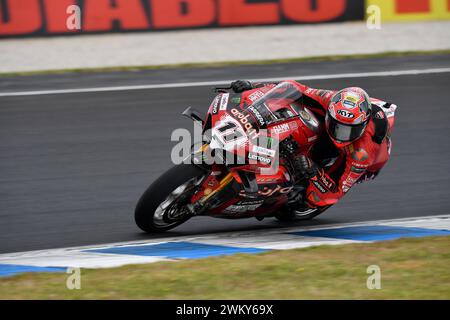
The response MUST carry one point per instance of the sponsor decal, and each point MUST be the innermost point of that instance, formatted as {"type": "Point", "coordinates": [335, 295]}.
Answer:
{"type": "Point", "coordinates": [257, 115]}
{"type": "Point", "coordinates": [215, 106]}
{"type": "Point", "coordinates": [270, 142]}
{"type": "Point", "coordinates": [250, 202]}
{"type": "Point", "coordinates": [241, 208]}
{"type": "Point", "coordinates": [360, 155]}
{"type": "Point", "coordinates": [328, 95]}
{"type": "Point", "coordinates": [357, 170]}
{"type": "Point", "coordinates": [350, 180]}
{"type": "Point", "coordinates": [38, 17]}
{"type": "Point", "coordinates": [348, 183]}
{"type": "Point", "coordinates": [236, 100]}
{"type": "Point", "coordinates": [409, 10]}
{"type": "Point", "coordinates": [265, 111]}
{"type": "Point", "coordinates": [251, 132]}
{"type": "Point", "coordinates": [346, 114]}
{"type": "Point", "coordinates": [350, 101]}
{"type": "Point", "coordinates": [329, 184]}
{"type": "Point", "coordinates": [359, 165]}
{"type": "Point", "coordinates": [256, 95]}
{"type": "Point", "coordinates": [224, 101]}
{"type": "Point", "coordinates": [229, 130]}
{"type": "Point", "coordinates": [323, 93]}
{"type": "Point", "coordinates": [263, 151]}
{"type": "Point", "coordinates": [323, 184]}
{"type": "Point", "coordinates": [319, 186]}
{"type": "Point", "coordinates": [228, 133]}
{"type": "Point", "coordinates": [270, 191]}
{"type": "Point", "coordinates": [351, 98]}
{"type": "Point", "coordinates": [305, 115]}
{"type": "Point", "coordinates": [309, 120]}
{"type": "Point", "coordinates": [349, 104]}
{"type": "Point", "coordinates": [320, 92]}
{"type": "Point", "coordinates": [253, 156]}
{"type": "Point", "coordinates": [293, 125]}
{"type": "Point", "coordinates": [282, 128]}
{"type": "Point", "coordinates": [266, 180]}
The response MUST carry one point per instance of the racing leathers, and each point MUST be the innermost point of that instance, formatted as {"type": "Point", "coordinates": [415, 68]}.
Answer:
{"type": "Point", "coordinates": [358, 161]}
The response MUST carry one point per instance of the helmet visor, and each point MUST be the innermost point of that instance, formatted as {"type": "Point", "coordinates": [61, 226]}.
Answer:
{"type": "Point", "coordinates": [342, 132]}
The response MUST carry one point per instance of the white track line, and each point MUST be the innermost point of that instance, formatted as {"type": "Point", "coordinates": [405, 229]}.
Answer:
{"type": "Point", "coordinates": [265, 239]}
{"type": "Point", "coordinates": [222, 235]}
{"type": "Point", "coordinates": [227, 82]}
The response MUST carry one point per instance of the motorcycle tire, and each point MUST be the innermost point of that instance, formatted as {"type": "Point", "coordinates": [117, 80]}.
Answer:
{"type": "Point", "coordinates": [290, 216]}
{"type": "Point", "coordinates": [159, 192]}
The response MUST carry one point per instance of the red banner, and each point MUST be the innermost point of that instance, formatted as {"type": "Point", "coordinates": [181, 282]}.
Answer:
{"type": "Point", "coordinates": [57, 17]}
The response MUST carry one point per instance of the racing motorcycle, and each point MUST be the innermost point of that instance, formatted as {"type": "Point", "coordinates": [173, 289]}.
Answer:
{"type": "Point", "coordinates": [243, 166]}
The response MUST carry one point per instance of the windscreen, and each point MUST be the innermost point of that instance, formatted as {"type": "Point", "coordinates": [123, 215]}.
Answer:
{"type": "Point", "coordinates": [285, 93]}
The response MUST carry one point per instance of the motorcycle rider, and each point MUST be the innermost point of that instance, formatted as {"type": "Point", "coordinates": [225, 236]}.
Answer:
{"type": "Point", "coordinates": [357, 136]}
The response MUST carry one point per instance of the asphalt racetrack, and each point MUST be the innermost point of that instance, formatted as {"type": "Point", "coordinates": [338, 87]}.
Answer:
{"type": "Point", "coordinates": [73, 165]}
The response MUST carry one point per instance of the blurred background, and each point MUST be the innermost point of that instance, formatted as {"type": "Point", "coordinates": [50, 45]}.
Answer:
{"type": "Point", "coordinates": [72, 34]}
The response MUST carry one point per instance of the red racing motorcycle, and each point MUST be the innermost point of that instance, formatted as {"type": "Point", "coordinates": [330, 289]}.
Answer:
{"type": "Point", "coordinates": [243, 167]}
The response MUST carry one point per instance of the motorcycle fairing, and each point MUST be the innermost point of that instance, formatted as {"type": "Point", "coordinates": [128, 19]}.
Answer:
{"type": "Point", "coordinates": [236, 127]}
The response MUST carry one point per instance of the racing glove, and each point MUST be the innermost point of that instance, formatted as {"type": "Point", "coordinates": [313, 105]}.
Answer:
{"type": "Point", "coordinates": [241, 86]}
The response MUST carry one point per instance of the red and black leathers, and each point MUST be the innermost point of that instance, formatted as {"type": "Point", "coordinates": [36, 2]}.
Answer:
{"type": "Point", "coordinates": [356, 162]}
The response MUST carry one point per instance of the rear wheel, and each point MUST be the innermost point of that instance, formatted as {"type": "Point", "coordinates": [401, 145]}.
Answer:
{"type": "Point", "coordinates": [163, 205]}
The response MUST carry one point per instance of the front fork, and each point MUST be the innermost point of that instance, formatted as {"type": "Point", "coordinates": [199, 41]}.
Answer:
{"type": "Point", "coordinates": [225, 191]}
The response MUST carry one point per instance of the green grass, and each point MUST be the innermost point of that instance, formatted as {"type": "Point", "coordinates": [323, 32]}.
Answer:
{"type": "Point", "coordinates": [415, 268]}
{"type": "Point", "coordinates": [229, 63]}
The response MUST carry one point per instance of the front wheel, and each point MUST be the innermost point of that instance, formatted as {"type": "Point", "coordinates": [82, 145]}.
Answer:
{"type": "Point", "coordinates": [163, 205]}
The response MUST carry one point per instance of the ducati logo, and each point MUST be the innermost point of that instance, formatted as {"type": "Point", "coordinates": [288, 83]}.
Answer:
{"type": "Point", "coordinates": [305, 115]}
{"type": "Point", "coordinates": [360, 155]}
